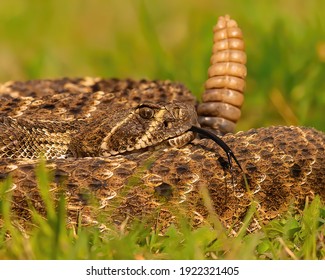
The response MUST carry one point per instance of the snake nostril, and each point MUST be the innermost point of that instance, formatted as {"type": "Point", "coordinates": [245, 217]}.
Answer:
{"type": "Point", "coordinates": [166, 124]}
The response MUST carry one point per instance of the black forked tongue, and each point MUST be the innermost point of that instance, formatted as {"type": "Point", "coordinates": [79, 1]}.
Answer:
{"type": "Point", "coordinates": [220, 142]}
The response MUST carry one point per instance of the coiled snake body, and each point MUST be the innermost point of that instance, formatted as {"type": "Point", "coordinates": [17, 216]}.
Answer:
{"type": "Point", "coordinates": [105, 142]}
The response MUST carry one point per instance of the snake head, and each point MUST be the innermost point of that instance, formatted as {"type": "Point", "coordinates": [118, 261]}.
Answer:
{"type": "Point", "coordinates": [151, 124]}
{"type": "Point", "coordinates": [146, 125]}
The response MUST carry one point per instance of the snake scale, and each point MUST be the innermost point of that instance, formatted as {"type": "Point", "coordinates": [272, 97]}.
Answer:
{"type": "Point", "coordinates": [122, 150]}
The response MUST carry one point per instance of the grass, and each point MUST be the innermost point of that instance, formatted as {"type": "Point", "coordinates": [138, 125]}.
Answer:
{"type": "Point", "coordinates": [285, 44]}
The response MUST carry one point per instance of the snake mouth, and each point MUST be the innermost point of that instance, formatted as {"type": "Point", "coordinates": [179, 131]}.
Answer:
{"type": "Point", "coordinates": [146, 144]}
{"type": "Point", "coordinates": [182, 139]}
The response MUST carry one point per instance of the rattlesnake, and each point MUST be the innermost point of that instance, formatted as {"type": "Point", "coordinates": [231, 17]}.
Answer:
{"type": "Point", "coordinates": [113, 181]}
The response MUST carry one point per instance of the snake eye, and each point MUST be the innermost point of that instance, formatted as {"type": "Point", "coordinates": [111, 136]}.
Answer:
{"type": "Point", "coordinates": [146, 112]}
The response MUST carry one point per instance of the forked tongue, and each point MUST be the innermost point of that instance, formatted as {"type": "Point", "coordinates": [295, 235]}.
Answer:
{"type": "Point", "coordinates": [220, 142]}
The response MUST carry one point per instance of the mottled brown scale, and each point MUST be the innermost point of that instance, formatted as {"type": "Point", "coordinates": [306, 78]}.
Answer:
{"type": "Point", "coordinates": [223, 96]}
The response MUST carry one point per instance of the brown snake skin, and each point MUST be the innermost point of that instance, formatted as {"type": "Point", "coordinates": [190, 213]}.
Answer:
{"type": "Point", "coordinates": [284, 165]}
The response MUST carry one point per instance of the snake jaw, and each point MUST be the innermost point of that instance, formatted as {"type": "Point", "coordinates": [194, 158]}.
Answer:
{"type": "Point", "coordinates": [181, 140]}
{"type": "Point", "coordinates": [145, 143]}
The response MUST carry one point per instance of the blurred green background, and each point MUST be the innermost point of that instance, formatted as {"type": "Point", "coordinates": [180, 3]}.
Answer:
{"type": "Point", "coordinates": [170, 39]}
